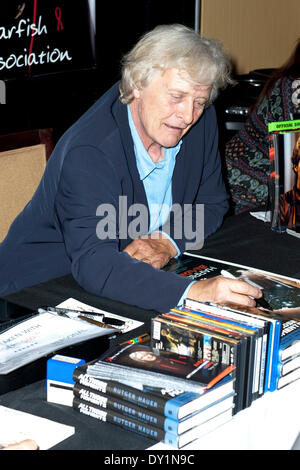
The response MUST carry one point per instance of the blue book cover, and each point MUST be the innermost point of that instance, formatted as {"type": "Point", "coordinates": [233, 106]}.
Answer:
{"type": "Point", "coordinates": [200, 416]}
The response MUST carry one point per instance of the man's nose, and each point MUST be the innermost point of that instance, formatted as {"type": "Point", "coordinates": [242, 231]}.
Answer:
{"type": "Point", "coordinates": [186, 112]}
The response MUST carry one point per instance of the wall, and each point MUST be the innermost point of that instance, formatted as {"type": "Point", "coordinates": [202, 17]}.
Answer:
{"type": "Point", "coordinates": [256, 33]}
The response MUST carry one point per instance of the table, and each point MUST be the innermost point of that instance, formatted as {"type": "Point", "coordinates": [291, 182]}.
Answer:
{"type": "Point", "coordinates": [242, 239]}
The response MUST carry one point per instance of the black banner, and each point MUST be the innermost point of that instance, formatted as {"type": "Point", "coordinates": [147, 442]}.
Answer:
{"type": "Point", "coordinates": [44, 36]}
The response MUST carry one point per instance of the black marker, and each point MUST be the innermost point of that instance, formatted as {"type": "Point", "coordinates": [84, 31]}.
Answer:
{"type": "Point", "coordinates": [262, 302]}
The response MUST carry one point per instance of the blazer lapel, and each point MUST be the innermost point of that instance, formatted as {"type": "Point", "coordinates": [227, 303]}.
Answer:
{"type": "Point", "coordinates": [178, 180]}
{"type": "Point", "coordinates": [120, 115]}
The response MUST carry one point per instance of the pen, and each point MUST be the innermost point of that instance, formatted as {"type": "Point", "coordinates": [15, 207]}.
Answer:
{"type": "Point", "coordinates": [104, 319]}
{"type": "Point", "coordinates": [104, 322]}
{"type": "Point", "coordinates": [98, 323]}
{"type": "Point", "coordinates": [262, 302]}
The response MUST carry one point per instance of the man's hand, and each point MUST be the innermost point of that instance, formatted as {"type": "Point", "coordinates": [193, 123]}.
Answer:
{"type": "Point", "coordinates": [154, 249]}
{"type": "Point", "coordinates": [27, 444]}
{"type": "Point", "coordinates": [222, 290]}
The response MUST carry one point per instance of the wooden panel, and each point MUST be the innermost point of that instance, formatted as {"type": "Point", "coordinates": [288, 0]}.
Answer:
{"type": "Point", "coordinates": [27, 139]}
{"type": "Point", "coordinates": [20, 173]}
{"type": "Point", "coordinates": [256, 33]}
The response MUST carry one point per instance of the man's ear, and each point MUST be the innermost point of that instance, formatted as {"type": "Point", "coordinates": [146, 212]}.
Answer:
{"type": "Point", "coordinates": [136, 93]}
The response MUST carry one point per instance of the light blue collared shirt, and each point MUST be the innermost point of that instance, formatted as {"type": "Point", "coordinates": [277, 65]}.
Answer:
{"type": "Point", "coordinates": [157, 181]}
{"type": "Point", "coordinates": [156, 177]}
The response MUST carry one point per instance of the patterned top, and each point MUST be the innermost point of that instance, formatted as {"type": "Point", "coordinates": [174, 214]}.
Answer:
{"type": "Point", "coordinates": [247, 153]}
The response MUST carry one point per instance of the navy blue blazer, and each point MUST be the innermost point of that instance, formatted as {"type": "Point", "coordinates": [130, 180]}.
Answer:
{"type": "Point", "coordinates": [92, 164]}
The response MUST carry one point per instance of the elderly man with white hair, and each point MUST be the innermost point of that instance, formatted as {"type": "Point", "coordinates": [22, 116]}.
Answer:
{"type": "Point", "coordinates": [128, 177]}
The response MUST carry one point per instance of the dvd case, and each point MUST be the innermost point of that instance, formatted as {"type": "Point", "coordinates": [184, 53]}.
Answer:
{"type": "Point", "coordinates": [284, 154]}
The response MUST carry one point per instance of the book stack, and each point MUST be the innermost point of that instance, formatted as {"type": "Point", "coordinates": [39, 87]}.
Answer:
{"type": "Point", "coordinates": [288, 362]}
{"type": "Point", "coordinates": [133, 387]}
{"type": "Point", "coordinates": [272, 335]}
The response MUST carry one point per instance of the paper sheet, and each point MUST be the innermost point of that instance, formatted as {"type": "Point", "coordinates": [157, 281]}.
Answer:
{"type": "Point", "coordinates": [47, 332]}
{"type": "Point", "coordinates": [18, 425]}
{"type": "Point", "coordinates": [265, 216]}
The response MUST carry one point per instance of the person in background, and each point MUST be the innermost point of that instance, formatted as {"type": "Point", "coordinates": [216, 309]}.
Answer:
{"type": "Point", "coordinates": [247, 153]}
{"type": "Point", "coordinates": [149, 144]}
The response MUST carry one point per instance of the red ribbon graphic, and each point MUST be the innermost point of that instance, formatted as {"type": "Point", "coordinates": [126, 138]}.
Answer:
{"type": "Point", "coordinates": [57, 12]}
{"type": "Point", "coordinates": [32, 36]}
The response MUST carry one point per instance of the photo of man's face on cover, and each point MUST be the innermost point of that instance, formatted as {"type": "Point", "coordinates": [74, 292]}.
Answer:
{"type": "Point", "coordinates": [290, 199]}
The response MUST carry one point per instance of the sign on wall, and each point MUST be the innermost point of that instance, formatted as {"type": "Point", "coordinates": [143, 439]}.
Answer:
{"type": "Point", "coordinates": [45, 36]}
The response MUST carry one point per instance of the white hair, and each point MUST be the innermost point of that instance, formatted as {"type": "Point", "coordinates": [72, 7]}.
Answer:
{"type": "Point", "coordinates": [174, 46]}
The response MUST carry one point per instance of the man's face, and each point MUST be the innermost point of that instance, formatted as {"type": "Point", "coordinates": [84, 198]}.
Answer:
{"type": "Point", "coordinates": [168, 107]}
{"type": "Point", "coordinates": [297, 168]}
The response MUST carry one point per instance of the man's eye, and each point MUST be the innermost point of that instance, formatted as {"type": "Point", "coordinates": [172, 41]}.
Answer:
{"type": "Point", "coordinates": [176, 97]}
{"type": "Point", "coordinates": [200, 105]}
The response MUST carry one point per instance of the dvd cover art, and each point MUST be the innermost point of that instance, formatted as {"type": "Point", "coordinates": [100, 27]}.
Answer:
{"type": "Point", "coordinates": [181, 341]}
{"type": "Point", "coordinates": [282, 293]}
{"type": "Point", "coordinates": [148, 359]}
{"type": "Point", "coordinates": [284, 155]}
{"type": "Point", "coordinates": [191, 340]}
{"type": "Point", "coordinates": [290, 200]}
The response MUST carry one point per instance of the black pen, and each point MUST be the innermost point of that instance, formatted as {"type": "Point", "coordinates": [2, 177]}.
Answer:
{"type": "Point", "coordinates": [262, 302]}
{"type": "Point", "coordinates": [88, 314]}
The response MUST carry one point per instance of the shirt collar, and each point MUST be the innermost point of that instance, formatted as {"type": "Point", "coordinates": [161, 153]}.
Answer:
{"type": "Point", "coordinates": [144, 162]}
